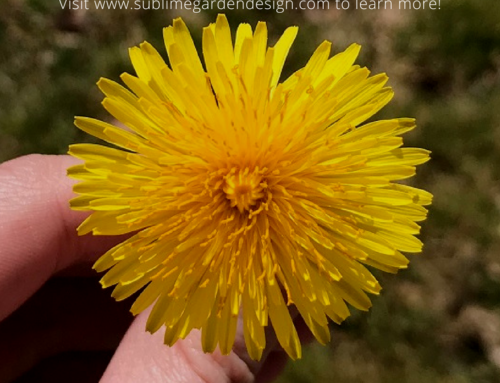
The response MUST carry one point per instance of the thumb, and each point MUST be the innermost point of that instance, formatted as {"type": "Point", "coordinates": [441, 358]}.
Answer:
{"type": "Point", "coordinates": [143, 357]}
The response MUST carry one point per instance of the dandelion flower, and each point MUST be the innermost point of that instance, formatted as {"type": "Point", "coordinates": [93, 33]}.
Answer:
{"type": "Point", "coordinates": [243, 194]}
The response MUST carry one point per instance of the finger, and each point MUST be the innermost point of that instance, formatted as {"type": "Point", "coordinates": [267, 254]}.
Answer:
{"type": "Point", "coordinates": [37, 227]}
{"type": "Point", "coordinates": [144, 357]}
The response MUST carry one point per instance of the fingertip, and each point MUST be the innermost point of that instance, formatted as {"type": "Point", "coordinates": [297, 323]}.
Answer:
{"type": "Point", "coordinates": [37, 226]}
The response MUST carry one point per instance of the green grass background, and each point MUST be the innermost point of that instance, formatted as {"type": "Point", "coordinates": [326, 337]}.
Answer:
{"type": "Point", "coordinates": [438, 321]}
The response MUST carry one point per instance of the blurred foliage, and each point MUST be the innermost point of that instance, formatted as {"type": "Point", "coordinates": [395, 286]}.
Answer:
{"type": "Point", "coordinates": [438, 321]}
{"type": "Point", "coordinates": [454, 46]}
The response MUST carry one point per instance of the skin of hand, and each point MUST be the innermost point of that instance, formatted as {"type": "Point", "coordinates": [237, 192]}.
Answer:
{"type": "Point", "coordinates": [51, 302]}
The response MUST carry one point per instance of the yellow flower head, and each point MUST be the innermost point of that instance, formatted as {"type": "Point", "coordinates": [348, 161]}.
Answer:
{"type": "Point", "coordinates": [244, 194]}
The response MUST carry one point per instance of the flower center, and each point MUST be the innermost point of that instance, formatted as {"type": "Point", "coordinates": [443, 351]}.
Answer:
{"type": "Point", "coordinates": [243, 188]}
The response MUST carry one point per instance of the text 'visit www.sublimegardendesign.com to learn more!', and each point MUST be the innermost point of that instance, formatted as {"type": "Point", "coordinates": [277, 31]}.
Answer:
{"type": "Point", "coordinates": [279, 6]}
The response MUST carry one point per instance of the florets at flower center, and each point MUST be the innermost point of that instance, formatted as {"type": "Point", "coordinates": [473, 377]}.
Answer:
{"type": "Point", "coordinates": [243, 188]}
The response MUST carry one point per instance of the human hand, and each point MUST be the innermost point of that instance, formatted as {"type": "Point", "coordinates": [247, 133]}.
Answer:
{"type": "Point", "coordinates": [71, 313]}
